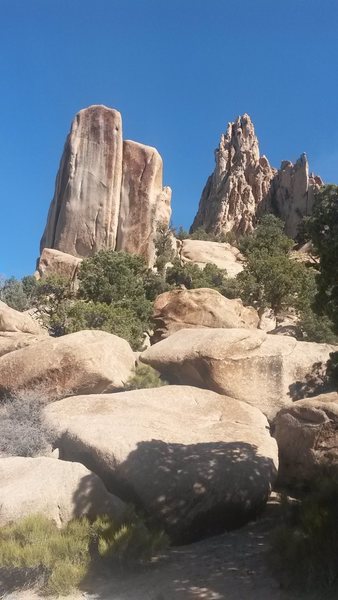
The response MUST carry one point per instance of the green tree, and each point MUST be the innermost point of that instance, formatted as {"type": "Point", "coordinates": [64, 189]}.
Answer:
{"type": "Point", "coordinates": [191, 276]}
{"type": "Point", "coordinates": [18, 294]}
{"type": "Point", "coordinates": [322, 228]}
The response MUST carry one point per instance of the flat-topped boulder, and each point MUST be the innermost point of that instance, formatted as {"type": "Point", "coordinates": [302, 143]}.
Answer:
{"type": "Point", "coordinates": [267, 371]}
{"type": "Point", "coordinates": [195, 461]}
{"type": "Point", "coordinates": [202, 307]}
{"type": "Point", "coordinates": [201, 252]}
{"type": "Point", "coordinates": [56, 489]}
{"type": "Point", "coordinates": [81, 363]}
{"type": "Point", "coordinates": [55, 263]}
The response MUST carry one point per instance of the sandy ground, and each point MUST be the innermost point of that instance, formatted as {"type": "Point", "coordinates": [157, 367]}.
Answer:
{"type": "Point", "coordinates": [231, 566]}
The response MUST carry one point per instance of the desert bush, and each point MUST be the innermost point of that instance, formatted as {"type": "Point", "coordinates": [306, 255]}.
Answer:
{"type": "Point", "coordinates": [23, 430]}
{"type": "Point", "coordinates": [62, 557]}
{"type": "Point", "coordinates": [305, 548]}
{"type": "Point", "coordinates": [18, 293]}
{"type": "Point", "coordinates": [191, 276]}
{"type": "Point", "coordinates": [145, 377]}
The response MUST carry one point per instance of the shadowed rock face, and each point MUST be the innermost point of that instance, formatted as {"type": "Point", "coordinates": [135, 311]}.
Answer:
{"type": "Point", "coordinates": [244, 186]}
{"type": "Point", "coordinates": [106, 190]}
{"type": "Point", "coordinates": [84, 212]}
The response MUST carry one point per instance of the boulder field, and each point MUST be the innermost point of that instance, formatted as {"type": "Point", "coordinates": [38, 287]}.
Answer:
{"type": "Point", "coordinates": [195, 461]}
{"type": "Point", "coordinates": [266, 371]}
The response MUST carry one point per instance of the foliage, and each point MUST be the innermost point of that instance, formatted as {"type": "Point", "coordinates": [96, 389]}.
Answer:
{"type": "Point", "coordinates": [322, 228]}
{"type": "Point", "coordinates": [145, 377]}
{"type": "Point", "coordinates": [201, 234]}
{"type": "Point", "coordinates": [63, 556]}
{"type": "Point", "coordinates": [191, 276]}
{"type": "Point", "coordinates": [164, 245]}
{"type": "Point", "coordinates": [270, 278]}
{"type": "Point", "coordinates": [52, 296]}
{"type": "Point", "coordinates": [18, 294]}
{"type": "Point", "coordinates": [23, 430]}
{"type": "Point", "coordinates": [305, 548]}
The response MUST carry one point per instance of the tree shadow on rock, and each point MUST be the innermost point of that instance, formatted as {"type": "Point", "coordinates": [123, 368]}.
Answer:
{"type": "Point", "coordinates": [314, 383]}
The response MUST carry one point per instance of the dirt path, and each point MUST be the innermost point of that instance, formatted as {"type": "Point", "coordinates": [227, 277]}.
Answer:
{"type": "Point", "coordinates": [231, 566]}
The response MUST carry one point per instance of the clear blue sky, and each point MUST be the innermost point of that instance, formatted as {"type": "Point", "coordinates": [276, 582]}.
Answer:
{"type": "Point", "coordinates": [178, 70]}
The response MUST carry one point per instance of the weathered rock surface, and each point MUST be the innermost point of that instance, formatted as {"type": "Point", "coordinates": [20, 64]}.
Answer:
{"type": "Point", "coordinates": [267, 371]}
{"type": "Point", "coordinates": [239, 183]}
{"type": "Point", "coordinates": [307, 437]}
{"type": "Point", "coordinates": [292, 193]}
{"type": "Point", "coordinates": [145, 204]}
{"type": "Point", "coordinates": [57, 489]}
{"type": "Point", "coordinates": [244, 186]}
{"type": "Point", "coordinates": [202, 252]}
{"type": "Point", "coordinates": [10, 341]}
{"type": "Point", "coordinates": [13, 321]}
{"type": "Point", "coordinates": [81, 363]}
{"type": "Point", "coordinates": [53, 262]}
{"type": "Point", "coordinates": [83, 216]}
{"type": "Point", "coordinates": [108, 195]}
{"type": "Point", "coordinates": [203, 307]}
{"type": "Point", "coordinates": [196, 461]}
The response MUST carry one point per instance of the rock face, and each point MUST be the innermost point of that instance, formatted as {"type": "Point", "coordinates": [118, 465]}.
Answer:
{"type": "Point", "coordinates": [182, 309]}
{"type": "Point", "coordinates": [84, 212]}
{"type": "Point", "coordinates": [307, 437]}
{"type": "Point", "coordinates": [292, 193]}
{"type": "Point", "coordinates": [267, 371]}
{"type": "Point", "coordinates": [244, 186]}
{"type": "Point", "coordinates": [145, 204]}
{"type": "Point", "coordinates": [239, 183]}
{"type": "Point", "coordinates": [81, 363]}
{"type": "Point", "coordinates": [57, 489]}
{"type": "Point", "coordinates": [105, 190]}
{"type": "Point", "coordinates": [54, 262]}
{"type": "Point", "coordinates": [10, 341]}
{"type": "Point", "coordinates": [14, 321]}
{"type": "Point", "coordinates": [201, 252]}
{"type": "Point", "coordinates": [195, 475]}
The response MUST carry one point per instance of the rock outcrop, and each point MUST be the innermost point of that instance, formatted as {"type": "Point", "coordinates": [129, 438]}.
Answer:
{"type": "Point", "coordinates": [145, 204]}
{"type": "Point", "coordinates": [203, 307]}
{"type": "Point", "coordinates": [105, 190]}
{"type": "Point", "coordinates": [292, 193]}
{"type": "Point", "coordinates": [201, 252]}
{"type": "Point", "coordinates": [240, 182]}
{"type": "Point", "coordinates": [307, 437]}
{"type": "Point", "coordinates": [58, 490]}
{"type": "Point", "coordinates": [81, 363]}
{"type": "Point", "coordinates": [11, 341]}
{"type": "Point", "coordinates": [13, 321]}
{"type": "Point", "coordinates": [267, 371]}
{"type": "Point", "coordinates": [244, 186]}
{"type": "Point", "coordinates": [195, 461]}
{"type": "Point", "coordinates": [53, 262]}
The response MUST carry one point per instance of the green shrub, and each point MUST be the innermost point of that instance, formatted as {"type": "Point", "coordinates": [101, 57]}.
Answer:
{"type": "Point", "coordinates": [18, 294]}
{"type": "Point", "coordinates": [62, 557]}
{"type": "Point", "coordinates": [305, 549]}
{"type": "Point", "coordinates": [145, 377]}
{"type": "Point", "coordinates": [191, 276]}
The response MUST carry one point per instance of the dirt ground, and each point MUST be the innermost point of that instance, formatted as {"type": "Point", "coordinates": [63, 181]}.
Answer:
{"type": "Point", "coordinates": [231, 566]}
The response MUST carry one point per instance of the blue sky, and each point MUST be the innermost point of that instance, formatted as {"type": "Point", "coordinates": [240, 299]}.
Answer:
{"type": "Point", "coordinates": [178, 70]}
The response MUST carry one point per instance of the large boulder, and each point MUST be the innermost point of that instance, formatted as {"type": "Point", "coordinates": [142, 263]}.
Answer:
{"type": "Point", "coordinates": [55, 263]}
{"type": "Point", "coordinates": [267, 371]}
{"type": "Point", "coordinates": [307, 437]}
{"type": "Point", "coordinates": [10, 341]}
{"type": "Point", "coordinates": [56, 489]}
{"type": "Point", "coordinates": [80, 363]}
{"type": "Point", "coordinates": [195, 461]}
{"type": "Point", "coordinates": [145, 203]}
{"type": "Point", "coordinates": [201, 252]}
{"type": "Point", "coordinates": [13, 321]}
{"type": "Point", "coordinates": [203, 307]}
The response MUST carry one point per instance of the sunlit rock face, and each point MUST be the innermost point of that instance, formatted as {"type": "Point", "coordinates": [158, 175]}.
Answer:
{"type": "Point", "coordinates": [145, 204]}
{"type": "Point", "coordinates": [106, 189]}
{"type": "Point", "coordinates": [244, 186]}
{"type": "Point", "coordinates": [83, 215]}
{"type": "Point", "coordinates": [239, 183]}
